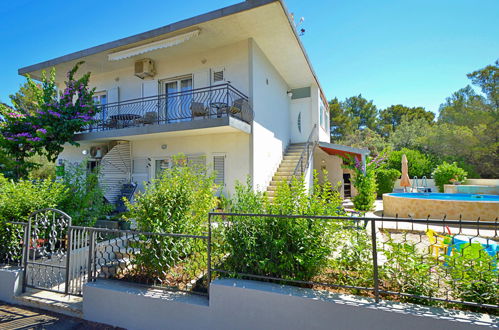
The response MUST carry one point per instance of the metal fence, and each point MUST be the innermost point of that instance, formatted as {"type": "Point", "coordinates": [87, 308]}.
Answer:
{"type": "Point", "coordinates": [412, 260]}
{"type": "Point", "coordinates": [218, 101]}
{"type": "Point", "coordinates": [165, 260]}
{"type": "Point", "coordinates": [443, 262]}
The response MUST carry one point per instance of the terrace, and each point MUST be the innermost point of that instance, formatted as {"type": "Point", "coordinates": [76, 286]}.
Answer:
{"type": "Point", "coordinates": [213, 106]}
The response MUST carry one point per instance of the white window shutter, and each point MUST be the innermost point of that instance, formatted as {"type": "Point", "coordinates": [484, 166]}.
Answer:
{"type": "Point", "coordinates": [219, 168]}
{"type": "Point", "coordinates": [199, 160]}
{"type": "Point", "coordinates": [113, 95]}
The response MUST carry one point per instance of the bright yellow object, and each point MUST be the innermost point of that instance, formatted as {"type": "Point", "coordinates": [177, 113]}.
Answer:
{"type": "Point", "coordinates": [437, 243]}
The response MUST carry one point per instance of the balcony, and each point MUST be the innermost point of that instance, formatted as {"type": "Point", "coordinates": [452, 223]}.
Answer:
{"type": "Point", "coordinates": [206, 107]}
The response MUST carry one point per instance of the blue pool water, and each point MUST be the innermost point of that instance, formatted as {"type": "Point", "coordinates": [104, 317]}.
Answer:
{"type": "Point", "coordinates": [450, 197]}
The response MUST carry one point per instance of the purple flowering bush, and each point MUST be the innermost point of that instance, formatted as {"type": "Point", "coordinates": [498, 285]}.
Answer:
{"type": "Point", "coordinates": [364, 180]}
{"type": "Point", "coordinates": [57, 118]}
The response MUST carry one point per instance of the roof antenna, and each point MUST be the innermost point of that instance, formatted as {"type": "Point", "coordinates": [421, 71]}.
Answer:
{"type": "Point", "coordinates": [301, 31]}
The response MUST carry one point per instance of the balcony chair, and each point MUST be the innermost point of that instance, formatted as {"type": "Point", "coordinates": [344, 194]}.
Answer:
{"type": "Point", "coordinates": [199, 110]}
{"type": "Point", "coordinates": [110, 123]}
{"type": "Point", "coordinates": [239, 107]}
{"type": "Point", "coordinates": [149, 118]}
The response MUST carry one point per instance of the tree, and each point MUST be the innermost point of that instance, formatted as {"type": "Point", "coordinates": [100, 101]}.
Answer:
{"type": "Point", "coordinates": [392, 117]}
{"type": "Point", "coordinates": [53, 124]}
{"type": "Point", "coordinates": [465, 108]}
{"type": "Point", "coordinates": [26, 99]}
{"type": "Point", "coordinates": [409, 133]}
{"type": "Point", "coordinates": [357, 107]}
{"type": "Point", "coordinates": [488, 80]}
{"type": "Point", "coordinates": [340, 122]}
{"type": "Point", "coordinates": [366, 139]}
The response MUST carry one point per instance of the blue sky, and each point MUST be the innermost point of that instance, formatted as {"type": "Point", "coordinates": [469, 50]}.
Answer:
{"type": "Point", "coordinates": [411, 52]}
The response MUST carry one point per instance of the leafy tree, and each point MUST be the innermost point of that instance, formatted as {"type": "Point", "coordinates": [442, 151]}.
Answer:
{"type": "Point", "coordinates": [340, 122]}
{"type": "Point", "coordinates": [465, 108]}
{"type": "Point", "coordinates": [26, 99]}
{"type": "Point", "coordinates": [25, 134]}
{"type": "Point", "coordinates": [366, 139]}
{"type": "Point", "coordinates": [362, 109]}
{"type": "Point", "coordinates": [488, 80]}
{"type": "Point", "coordinates": [393, 116]}
{"type": "Point", "coordinates": [408, 133]}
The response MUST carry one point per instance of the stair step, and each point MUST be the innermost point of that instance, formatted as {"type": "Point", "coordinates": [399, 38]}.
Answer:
{"type": "Point", "coordinates": [52, 301]}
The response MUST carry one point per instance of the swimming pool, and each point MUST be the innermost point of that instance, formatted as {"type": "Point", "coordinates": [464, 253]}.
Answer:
{"type": "Point", "coordinates": [438, 206]}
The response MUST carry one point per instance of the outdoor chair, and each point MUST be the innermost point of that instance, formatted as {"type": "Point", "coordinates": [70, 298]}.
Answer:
{"type": "Point", "coordinates": [150, 117]}
{"type": "Point", "coordinates": [198, 110]}
{"type": "Point", "coordinates": [111, 123]}
{"type": "Point", "coordinates": [239, 106]}
{"type": "Point", "coordinates": [437, 243]}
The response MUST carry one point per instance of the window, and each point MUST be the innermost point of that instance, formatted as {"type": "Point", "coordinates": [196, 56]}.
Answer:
{"type": "Point", "coordinates": [177, 105]}
{"type": "Point", "coordinates": [100, 99]}
{"type": "Point", "coordinates": [218, 75]}
{"type": "Point", "coordinates": [324, 117]}
{"type": "Point", "coordinates": [162, 164]}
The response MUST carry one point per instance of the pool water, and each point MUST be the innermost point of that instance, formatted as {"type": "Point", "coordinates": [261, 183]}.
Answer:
{"type": "Point", "coordinates": [453, 197]}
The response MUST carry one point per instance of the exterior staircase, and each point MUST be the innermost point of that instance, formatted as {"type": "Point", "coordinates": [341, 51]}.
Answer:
{"type": "Point", "coordinates": [286, 169]}
{"type": "Point", "coordinates": [116, 167]}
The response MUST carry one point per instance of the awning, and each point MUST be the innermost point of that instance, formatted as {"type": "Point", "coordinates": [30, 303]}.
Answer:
{"type": "Point", "coordinates": [169, 42]}
{"type": "Point", "coordinates": [343, 151]}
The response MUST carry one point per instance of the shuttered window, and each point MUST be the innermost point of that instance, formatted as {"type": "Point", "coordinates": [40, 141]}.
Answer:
{"type": "Point", "coordinates": [218, 76]}
{"type": "Point", "coordinates": [196, 160]}
{"type": "Point", "coordinates": [219, 168]}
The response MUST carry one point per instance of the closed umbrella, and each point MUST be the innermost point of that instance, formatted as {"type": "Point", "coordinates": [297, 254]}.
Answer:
{"type": "Point", "coordinates": [404, 180]}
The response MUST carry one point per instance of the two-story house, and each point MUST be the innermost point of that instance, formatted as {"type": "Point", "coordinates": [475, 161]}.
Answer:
{"type": "Point", "coordinates": [232, 88]}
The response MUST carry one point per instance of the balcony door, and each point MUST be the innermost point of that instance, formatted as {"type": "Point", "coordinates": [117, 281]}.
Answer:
{"type": "Point", "coordinates": [177, 102]}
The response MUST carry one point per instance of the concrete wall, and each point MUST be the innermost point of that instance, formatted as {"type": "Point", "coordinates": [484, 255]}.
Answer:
{"type": "Point", "coordinates": [10, 283]}
{"type": "Point", "coordinates": [235, 146]}
{"type": "Point", "coordinates": [240, 304]}
{"type": "Point", "coordinates": [332, 164]}
{"type": "Point", "coordinates": [271, 126]}
{"type": "Point", "coordinates": [232, 58]}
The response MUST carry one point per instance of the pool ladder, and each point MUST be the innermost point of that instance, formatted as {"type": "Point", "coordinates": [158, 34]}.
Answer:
{"type": "Point", "coordinates": [420, 189]}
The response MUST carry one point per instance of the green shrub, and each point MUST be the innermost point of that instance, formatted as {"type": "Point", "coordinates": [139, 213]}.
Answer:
{"type": "Point", "coordinates": [18, 200]}
{"type": "Point", "coordinates": [419, 164]}
{"type": "Point", "coordinates": [446, 172]}
{"type": "Point", "coordinates": [177, 202]}
{"type": "Point", "coordinates": [407, 271]}
{"type": "Point", "coordinates": [287, 248]}
{"type": "Point", "coordinates": [85, 199]}
{"type": "Point", "coordinates": [473, 275]}
{"type": "Point", "coordinates": [385, 180]}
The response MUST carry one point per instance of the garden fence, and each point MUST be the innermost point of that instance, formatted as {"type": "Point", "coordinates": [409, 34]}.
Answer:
{"type": "Point", "coordinates": [444, 262]}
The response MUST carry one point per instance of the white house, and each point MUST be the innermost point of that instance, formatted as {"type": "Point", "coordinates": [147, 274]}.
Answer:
{"type": "Point", "coordinates": [233, 88]}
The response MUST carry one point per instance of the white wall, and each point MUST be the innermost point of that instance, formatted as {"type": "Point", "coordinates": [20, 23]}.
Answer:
{"type": "Point", "coordinates": [235, 146]}
{"type": "Point", "coordinates": [333, 167]}
{"type": "Point", "coordinates": [233, 58]}
{"type": "Point", "coordinates": [240, 304]}
{"type": "Point", "coordinates": [10, 283]}
{"type": "Point", "coordinates": [271, 131]}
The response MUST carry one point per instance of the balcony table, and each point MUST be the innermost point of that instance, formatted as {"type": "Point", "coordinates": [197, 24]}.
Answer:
{"type": "Point", "coordinates": [220, 107]}
{"type": "Point", "coordinates": [124, 119]}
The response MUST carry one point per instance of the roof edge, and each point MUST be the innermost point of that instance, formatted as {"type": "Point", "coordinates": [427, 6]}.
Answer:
{"type": "Point", "coordinates": [209, 16]}
{"type": "Point", "coordinates": [344, 148]}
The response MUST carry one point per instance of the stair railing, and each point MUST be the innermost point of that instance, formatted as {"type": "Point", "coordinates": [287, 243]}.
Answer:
{"type": "Point", "coordinates": [305, 155]}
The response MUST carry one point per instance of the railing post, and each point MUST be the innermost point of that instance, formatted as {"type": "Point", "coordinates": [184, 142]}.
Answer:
{"type": "Point", "coordinates": [26, 255]}
{"type": "Point", "coordinates": [90, 256]}
{"type": "Point", "coordinates": [375, 261]}
{"type": "Point", "coordinates": [68, 258]}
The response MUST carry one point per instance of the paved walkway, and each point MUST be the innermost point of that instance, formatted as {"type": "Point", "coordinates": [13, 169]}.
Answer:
{"type": "Point", "coordinates": [17, 317]}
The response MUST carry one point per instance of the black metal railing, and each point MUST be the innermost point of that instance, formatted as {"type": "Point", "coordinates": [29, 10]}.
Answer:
{"type": "Point", "coordinates": [437, 262]}
{"type": "Point", "coordinates": [218, 101]}
{"type": "Point", "coordinates": [451, 263]}
{"type": "Point", "coordinates": [177, 262]}
{"type": "Point", "coordinates": [308, 148]}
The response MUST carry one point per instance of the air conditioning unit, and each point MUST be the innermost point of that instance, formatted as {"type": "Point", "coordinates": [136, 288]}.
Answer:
{"type": "Point", "coordinates": [144, 68]}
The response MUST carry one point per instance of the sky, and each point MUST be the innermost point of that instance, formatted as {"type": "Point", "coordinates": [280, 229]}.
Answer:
{"type": "Point", "coordinates": [415, 53]}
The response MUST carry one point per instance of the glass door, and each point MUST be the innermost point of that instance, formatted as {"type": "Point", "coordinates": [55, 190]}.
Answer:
{"type": "Point", "coordinates": [177, 103]}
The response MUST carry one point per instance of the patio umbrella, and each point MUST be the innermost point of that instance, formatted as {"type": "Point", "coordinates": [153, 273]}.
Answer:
{"type": "Point", "coordinates": [404, 180]}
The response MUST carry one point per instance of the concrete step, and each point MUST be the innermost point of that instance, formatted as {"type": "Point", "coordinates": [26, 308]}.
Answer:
{"type": "Point", "coordinates": [283, 173]}
{"type": "Point", "coordinates": [295, 158]}
{"type": "Point", "coordinates": [52, 301]}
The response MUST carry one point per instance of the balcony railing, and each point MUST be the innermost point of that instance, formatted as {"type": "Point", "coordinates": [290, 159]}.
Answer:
{"type": "Point", "coordinates": [196, 104]}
